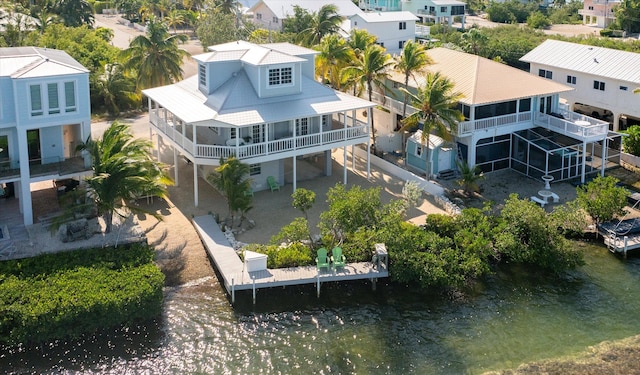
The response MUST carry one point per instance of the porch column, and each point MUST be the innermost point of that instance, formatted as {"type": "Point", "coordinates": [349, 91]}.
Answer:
{"type": "Point", "coordinates": [25, 178]}
{"type": "Point", "coordinates": [175, 166]}
{"type": "Point", "coordinates": [195, 184]}
{"type": "Point", "coordinates": [353, 158]}
{"type": "Point", "coordinates": [344, 164]}
{"type": "Point", "coordinates": [605, 148]}
{"type": "Point", "coordinates": [616, 121]}
{"type": "Point", "coordinates": [295, 176]}
{"type": "Point", "coordinates": [327, 163]}
{"type": "Point", "coordinates": [584, 161]}
{"type": "Point", "coordinates": [158, 147]}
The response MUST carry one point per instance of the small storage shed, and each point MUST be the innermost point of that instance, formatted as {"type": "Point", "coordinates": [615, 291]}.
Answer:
{"type": "Point", "coordinates": [442, 155]}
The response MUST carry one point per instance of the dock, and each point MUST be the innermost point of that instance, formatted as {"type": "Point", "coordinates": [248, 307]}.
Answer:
{"type": "Point", "coordinates": [235, 276]}
{"type": "Point", "coordinates": [621, 237]}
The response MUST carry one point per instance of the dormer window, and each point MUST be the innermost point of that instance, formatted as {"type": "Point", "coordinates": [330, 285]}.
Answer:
{"type": "Point", "coordinates": [280, 76]}
{"type": "Point", "coordinates": [202, 75]}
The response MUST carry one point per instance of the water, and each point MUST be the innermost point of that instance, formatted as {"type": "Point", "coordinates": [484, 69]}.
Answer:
{"type": "Point", "coordinates": [513, 318]}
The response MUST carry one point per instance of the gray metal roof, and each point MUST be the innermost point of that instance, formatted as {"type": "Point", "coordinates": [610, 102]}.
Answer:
{"type": "Point", "coordinates": [598, 61]}
{"type": "Point", "coordinates": [284, 8]}
{"type": "Point", "coordinates": [30, 62]}
{"type": "Point", "coordinates": [264, 54]}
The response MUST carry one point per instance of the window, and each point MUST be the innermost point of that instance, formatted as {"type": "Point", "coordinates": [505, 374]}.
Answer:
{"type": "Point", "coordinates": [202, 75]}
{"type": "Point", "coordinates": [545, 73]}
{"type": "Point", "coordinates": [401, 44]}
{"type": "Point", "coordinates": [525, 105]}
{"type": "Point", "coordinates": [52, 95]}
{"type": "Point", "coordinates": [233, 133]}
{"type": "Point", "coordinates": [280, 76]}
{"type": "Point", "coordinates": [325, 121]}
{"type": "Point", "coordinates": [213, 129]}
{"type": "Point", "coordinates": [590, 7]}
{"type": "Point", "coordinates": [258, 16]}
{"type": "Point", "coordinates": [418, 150]}
{"type": "Point", "coordinates": [624, 88]}
{"type": "Point", "coordinates": [275, 19]}
{"type": "Point", "coordinates": [69, 97]}
{"type": "Point", "coordinates": [571, 80]}
{"type": "Point", "coordinates": [256, 134]}
{"type": "Point", "coordinates": [431, 9]}
{"type": "Point", "coordinates": [302, 126]}
{"type": "Point", "coordinates": [443, 9]}
{"type": "Point", "coordinates": [396, 85]}
{"type": "Point", "coordinates": [254, 169]}
{"type": "Point", "coordinates": [36, 100]}
{"type": "Point", "coordinates": [381, 44]}
{"type": "Point", "coordinates": [402, 26]}
{"type": "Point", "coordinates": [598, 85]}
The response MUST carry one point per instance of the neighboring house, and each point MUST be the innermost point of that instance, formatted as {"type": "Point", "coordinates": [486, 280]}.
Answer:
{"type": "Point", "coordinates": [44, 114]}
{"type": "Point", "coordinates": [392, 29]}
{"type": "Point", "coordinates": [438, 11]}
{"type": "Point", "coordinates": [269, 14]}
{"type": "Point", "coordinates": [512, 120]}
{"type": "Point", "coordinates": [603, 78]}
{"type": "Point", "coordinates": [598, 12]}
{"type": "Point", "coordinates": [261, 104]}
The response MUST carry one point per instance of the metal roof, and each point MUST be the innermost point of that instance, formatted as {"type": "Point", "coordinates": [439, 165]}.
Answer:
{"type": "Point", "coordinates": [483, 81]}
{"type": "Point", "coordinates": [372, 17]}
{"type": "Point", "coordinates": [250, 53]}
{"type": "Point", "coordinates": [598, 61]}
{"type": "Point", "coordinates": [284, 8]}
{"type": "Point", "coordinates": [31, 62]}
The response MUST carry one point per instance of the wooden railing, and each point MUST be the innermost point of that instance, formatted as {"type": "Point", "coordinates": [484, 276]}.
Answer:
{"type": "Point", "coordinates": [264, 148]}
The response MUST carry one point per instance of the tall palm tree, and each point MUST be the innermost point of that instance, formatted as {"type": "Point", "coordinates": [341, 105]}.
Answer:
{"type": "Point", "coordinates": [174, 19]}
{"type": "Point", "coordinates": [114, 89]}
{"type": "Point", "coordinates": [155, 56]}
{"type": "Point", "coordinates": [228, 6]}
{"type": "Point", "coordinates": [413, 59]}
{"type": "Point", "coordinates": [74, 13]}
{"type": "Point", "coordinates": [231, 179]}
{"type": "Point", "coordinates": [326, 21]}
{"type": "Point", "coordinates": [436, 103]}
{"type": "Point", "coordinates": [334, 52]}
{"type": "Point", "coordinates": [359, 40]}
{"type": "Point", "coordinates": [123, 170]}
{"type": "Point", "coordinates": [372, 69]}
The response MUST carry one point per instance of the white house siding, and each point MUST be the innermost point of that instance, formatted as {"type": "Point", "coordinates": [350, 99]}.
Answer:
{"type": "Point", "coordinates": [388, 33]}
{"type": "Point", "coordinates": [263, 17]}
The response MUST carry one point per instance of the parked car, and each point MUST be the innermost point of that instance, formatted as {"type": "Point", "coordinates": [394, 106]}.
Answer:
{"type": "Point", "coordinates": [589, 110]}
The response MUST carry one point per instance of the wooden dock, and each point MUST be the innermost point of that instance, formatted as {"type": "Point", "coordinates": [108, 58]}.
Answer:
{"type": "Point", "coordinates": [621, 244]}
{"type": "Point", "coordinates": [236, 277]}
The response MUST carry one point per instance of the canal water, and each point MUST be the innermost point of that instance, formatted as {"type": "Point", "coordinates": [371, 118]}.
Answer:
{"type": "Point", "coordinates": [512, 318]}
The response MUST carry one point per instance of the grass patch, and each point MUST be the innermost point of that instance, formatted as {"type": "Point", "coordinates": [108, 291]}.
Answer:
{"type": "Point", "coordinates": [65, 295]}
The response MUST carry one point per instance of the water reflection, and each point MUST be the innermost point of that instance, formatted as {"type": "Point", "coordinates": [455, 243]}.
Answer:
{"type": "Point", "coordinates": [514, 317]}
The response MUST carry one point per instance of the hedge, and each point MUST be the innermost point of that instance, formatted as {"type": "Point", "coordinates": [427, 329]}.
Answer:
{"type": "Point", "coordinates": [66, 295]}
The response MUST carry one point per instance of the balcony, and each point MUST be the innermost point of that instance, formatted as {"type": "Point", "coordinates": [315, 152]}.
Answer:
{"type": "Point", "coordinates": [51, 167]}
{"type": "Point", "coordinates": [271, 149]}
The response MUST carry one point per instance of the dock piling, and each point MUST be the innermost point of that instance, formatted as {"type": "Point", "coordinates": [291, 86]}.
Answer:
{"type": "Point", "coordinates": [254, 291]}
{"type": "Point", "coordinates": [318, 284]}
{"type": "Point", "coordinates": [233, 290]}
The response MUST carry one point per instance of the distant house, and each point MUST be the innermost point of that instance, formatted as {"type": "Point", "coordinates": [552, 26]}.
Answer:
{"type": "Point", "coordinates": [261, 104]}
{"type": "Point", "coordinates": [603, 79]}
{"type": "Point", "coordinates": [512, 120]}
{"type": "Point", "coordinates": [598, 12]}
{"type": "Point", "coordinates": [437, 11]}
{"type": "Point", "coordinates": [269, 14]}
{"type": "Point", "coordinates": [44, 114]}
{"type": "Point", "coordinates": [392, 29]}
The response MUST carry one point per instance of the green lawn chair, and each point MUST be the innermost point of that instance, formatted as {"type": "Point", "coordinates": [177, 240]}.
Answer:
{"type": "Point", "coordinates": [337, 258]}
{"type": "Point", "coordinates": [322, 260]}
{"type": "Point", "coordinates": [273, 185]}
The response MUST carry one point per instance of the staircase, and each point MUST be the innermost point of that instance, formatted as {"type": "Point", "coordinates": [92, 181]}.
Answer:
{"type": "Point", "coordinates": [447, 174]}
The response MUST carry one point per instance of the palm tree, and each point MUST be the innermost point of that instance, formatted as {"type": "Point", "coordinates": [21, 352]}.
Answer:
{"type": "Point", "coordinates": [359, 40]}
{"type": "Point", "coordinates": [474, 40]}
{"type": "Point", "coordinates": [74, 13]}
{"type": "Point", "coordinates": [123, 171]}
{"type": "Point", "coordinates": [334, 52]}
{"type": "Point", "coordinates": [369, 71]}
{"type": "Point", "coordinates": [413, 59]}
{"type": "Point", "coordinates": [155, 56]}
{"type": "Point", "coordinates": [228, 6]}
{"type": "Point", "coordinates": [44, 20]}
{"type": "Point", "coordinates": [174, 19]}
{"type": "Point", "coordinates": [326, 21]}
{"type": "Point", "coordinates": [436, 103]}
{"type": "Point", "coordinates": [231, 179]}
{"type": "Point", "coordinates": [469, 177]}
{"type": "Point", "coordinates": [114, 89]}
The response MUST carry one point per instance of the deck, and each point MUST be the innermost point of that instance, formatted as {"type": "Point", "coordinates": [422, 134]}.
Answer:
{"type": "Point", "coordinates": [235, 277]}
{"type": "Point", "coordinates": [621, 237]}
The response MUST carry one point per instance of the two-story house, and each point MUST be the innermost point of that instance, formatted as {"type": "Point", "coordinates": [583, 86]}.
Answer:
{"type": "Point", "coordinates": [392, 29]}
{"type": "Point", "coordinates": [437, 11]}
{"type": "Point", "coordinates": [603, 78]}
{"type": "Point", "coordinates": [512, 120]}
{"type": "Point", "coordinates": [598, 12]}
{"type": "Point", "coordinates": [261, 104]}
{"type": "Point", "coordinates": [44, 114]}
{"type": "Point", "coordinates": [269, 14]}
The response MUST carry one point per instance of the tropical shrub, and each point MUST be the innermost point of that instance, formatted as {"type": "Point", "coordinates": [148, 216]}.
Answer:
{"type": "Point", "coordinates": [68, 294]}
{"type": "Point", "coordinates": [602, 199]}
{"type": "Point", "coordinates": [631, 144]}
{"type": "Point", "coordinates": [291, 255]}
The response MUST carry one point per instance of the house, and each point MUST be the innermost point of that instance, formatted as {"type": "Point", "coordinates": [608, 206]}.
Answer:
{"type": "Point", "coordinates": [512, 120]}
{"type": "Point", "coordinates": [603, 78]}
{"type": "Point", "coordinates": [268, 14]}
{"type": "Point", "coordinates": [392, 29]}
{"type": "Point", "coordinates": [44, 114]}
{"type": "Point", "coordinates": [261, 104]}
{"type": "Point", "coordinates": [436, 11]}
{"type": "Point", "coordinates": [600, 13]}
